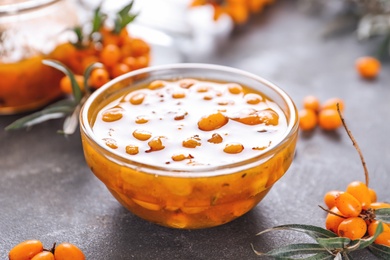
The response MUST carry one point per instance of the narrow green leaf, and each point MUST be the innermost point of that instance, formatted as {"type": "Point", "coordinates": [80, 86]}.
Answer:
{"type": "Point", "coordinates": [296, 249]}
{"type": "Point", "coordinates": [383, 214]}
{"type": "Point", "coordinates": [313, 231]}
{"type": "Point", "coordinates": [381, 251]}
{"type": "Point", "coordinates": [40, 116]}
{"type": "Point", "coordinates": [320, 256]}
{"type": "Point", "coordinates": [98, 19]}
{"type": "Point", "coordinates": [332, 243]}
{"type": "Point", "coordinates": [63, 68]}
{"type": "Point", "coordinates": [126, 9]}
{"type": "Point", "coordinates": [87, 74]}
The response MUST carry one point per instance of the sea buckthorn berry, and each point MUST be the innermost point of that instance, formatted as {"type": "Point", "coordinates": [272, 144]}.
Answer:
{"type": "Point", "coordinates": [140, 47]}
{"type": "Point", "coordinates": [131, 62]}
{"type": "Point", "coordinates": [142, 135]}
{"type": "Point", "coordinates": [141, 119]}
{"type": "Point", "coordinates": [311, 102]}
{"type": "Point", "coordinates": [332, 221]}
{"type": "Point", "coordinates": [156, 84]}
{"type": "Point", "coordinates": [234, 88]}
{"type": "Point", "coordinates": [329, 119]}
{"type": "Point", "coordinates": [181, 157]}
{"type": "Point", "coordinates": [360, 191]}
{"type": "Point", "coordinates": [307, 119]}
{"type": "Point", "coordinates": [215, 139]}
{"type": "Point", "coordinates": [178, 94]}
{"type": "Point", "coordinates": [155, 144]}
{"type": "Point", "coordinates": [253, 99]}
{"type": "Point", "coordinates": [379, 205]}
{"type": "Point", "coordinates": [368, 67]}
{"type": "Point", "coordinates": [330, 198]}
{"type": "Point", "coordinates": [191, 142]}
{"type": "Point", "coordinates": [332, 104]}
{"type": "Point", "coordinates": [137, 98]}
{"type": "Point", "coordinates": [132, 149]}
{"type": "Point", "coordinates": [383, 239]}
{"type": "Point", "coordinates": [110, 143]}
{"type": "Point", "coordinates": [112, 114]}
{"type": "Point", "coordinates": [348, 205]}
{"type": "Point", "coordinates": [66, 85]}
{"type": "Point", "coordinates": [374, 225]}
{"type": "Point", "coordinates": [25, 250]}
{"type": "Point", "coordinates": [141, 62]}
{"type": "Point", "coordinates": [187, 83]}
{"type": "Point", "coordinates": [45, 255]}
{"type": "Point", "coordinates": [372, 195]}
{"type": "Point", "coordinates": [233, 148]}
{"type": "Point", "coordinates": [98, 78]}
{"type": "Point", "coordinates": [256, 117]}
{"type": "Point", "coordinates": [68, 251]}
{"type": "Point", "coordinates": [352, 228]}
{"type": "Point", "coordinates": [110, 55]}
{"type": "Point", "coordinates": [119, 69]}
{"type": "Point", "coordinates": [212, 122]}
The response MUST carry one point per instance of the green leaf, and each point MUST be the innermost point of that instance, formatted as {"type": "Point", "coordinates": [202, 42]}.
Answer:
{"type": "Point", "coordinates": [126, 9]}
{"type": "Point", "coordinates": [77, 94]}
{"type": "Point", "coordinates": [87, 74]}
{"type": "Point", "coordinates": [380, 251]}
{"type": "Point", "coordinates": [98, 19]}
{"type": "Point", "coordinates": [321, 256]}
{"type": "Point", "coordinates": [332, 243]}
{"type": "Point", "coordinates": [383, 214]}
{"type": "Point", "coordinates": [49, 113]}
{"type": "Point", "coordinates": [71, 122]}
{"type": "Point", "coordinates": [313, 231]}
{"type": "Point", "coordinates": [124, 17]}
{"type": "Point", "coordinates": [294, 249]}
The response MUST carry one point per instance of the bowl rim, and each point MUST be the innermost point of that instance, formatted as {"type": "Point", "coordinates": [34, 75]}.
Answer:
{"type": "Point", "coordinates": [206, 171]}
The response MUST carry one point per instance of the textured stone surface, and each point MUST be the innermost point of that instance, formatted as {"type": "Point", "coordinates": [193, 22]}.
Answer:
{"type": "Point", "coordinates": [47, 192]}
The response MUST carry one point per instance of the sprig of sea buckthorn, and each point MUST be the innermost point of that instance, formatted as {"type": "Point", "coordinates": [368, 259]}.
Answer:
{"type": "Point", "coordinates": [34, 250]}
{"type": "Point", "coordinates": [355, 221]}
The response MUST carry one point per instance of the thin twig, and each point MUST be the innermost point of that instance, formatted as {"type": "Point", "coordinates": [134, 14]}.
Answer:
{"type": "Point", "coordinates": [331, 212]}
{"type": "Point", "coordinates": [355, 145]}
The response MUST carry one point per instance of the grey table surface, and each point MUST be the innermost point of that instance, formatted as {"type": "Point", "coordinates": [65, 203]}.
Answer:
{"type": "Point", "coordinates": [47, 191]}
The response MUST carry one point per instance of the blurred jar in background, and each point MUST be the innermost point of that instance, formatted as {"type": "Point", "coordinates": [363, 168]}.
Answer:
{"type": "Point", "coordinates": [30, 31]}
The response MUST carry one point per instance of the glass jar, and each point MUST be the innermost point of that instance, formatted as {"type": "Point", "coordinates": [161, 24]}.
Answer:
{"type": "Point", "coordinates": [30, 31]}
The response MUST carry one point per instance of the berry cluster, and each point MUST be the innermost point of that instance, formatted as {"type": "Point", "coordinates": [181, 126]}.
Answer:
{"type": "Point", "coordinates": [324, 115]}
{"type": "Point", "coordinates": [351, 213]}
{"type": "Point", "coordinates": [34, 250]}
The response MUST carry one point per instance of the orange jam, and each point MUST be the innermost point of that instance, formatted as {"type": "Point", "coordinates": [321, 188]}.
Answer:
{"type": "Point", "coordinates": [188, 153]}
{"type": "Point", "coordinates": [190, 123]}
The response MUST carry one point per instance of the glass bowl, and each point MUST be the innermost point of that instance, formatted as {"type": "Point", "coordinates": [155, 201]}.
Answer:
{"type": "Point", "coordinates": [188, 197]}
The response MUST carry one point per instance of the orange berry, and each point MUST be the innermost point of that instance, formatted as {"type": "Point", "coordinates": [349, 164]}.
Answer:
{"type": "Point", "coordinates": [66, 85]}
{"type": "Point", "coordinates": [67, 251]}
{"type": "Point", "coordinates": [348, 205]}
{"type": "Point", "coordinates": [330, 198]}
{"type": "Point", "coordinates": [332, 104]}
{"type": "Point", "coordinates": [329, 119]}
{"type": "Point", "coordinates": [140, 47]}
{"type": "Point", "coordinates": [25, 250]}
{"type": "Point", "coordinates": [131, 62]}
{"type": "Point", "coordinates": [352, 228]}
{"type": "Point", "coordinates": [45, 255]}
{"type": "Point", "coordinates": [368, 67]}
{"type": "Point", "coordinates": [307, 119]}
{"type": "Point", "coordinates": [311, 102]}
{"type": "Point", "coordinates": [383, 239]}
{"type": "Point", "coordinates": [360, 191]}
{"type": "Point", "coordinates": [380, 205]}
{"type": "Point", "coordinates": [332, 221]}
{"type": "Point", "coordinates": [119, 69]}
{"type": "Point", "coordinates": [110, 55]}
{"type": "Point", "coordinates": [374, 225]}
{"type": "Point", "coordinates": [98, 78]}
{"type": "Point", "coordinates": [372, 195]}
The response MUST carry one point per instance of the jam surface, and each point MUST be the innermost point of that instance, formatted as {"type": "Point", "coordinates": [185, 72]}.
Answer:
{"type": "Point", "coordinates": [190, 123]}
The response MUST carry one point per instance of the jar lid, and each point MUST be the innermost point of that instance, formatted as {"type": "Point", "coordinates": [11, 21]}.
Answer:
{"type": "Point", "coordinates": [10, 7]}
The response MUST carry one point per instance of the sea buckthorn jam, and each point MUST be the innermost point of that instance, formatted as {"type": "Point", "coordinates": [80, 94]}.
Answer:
{"type": "Point", "coordinates": [188, 153]}
{"type": "Point", "coordinates": [190, 123]}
